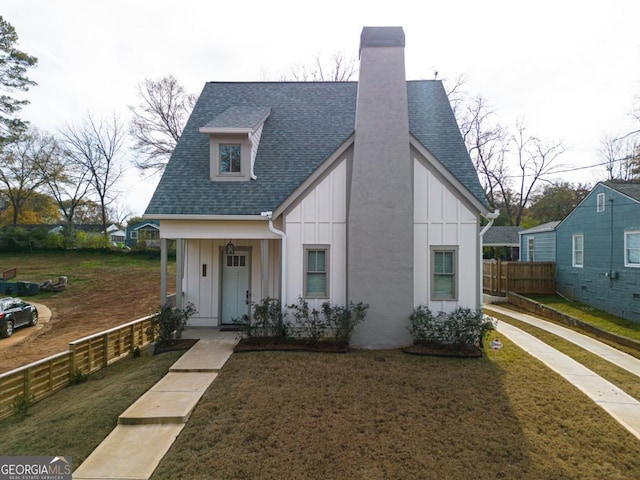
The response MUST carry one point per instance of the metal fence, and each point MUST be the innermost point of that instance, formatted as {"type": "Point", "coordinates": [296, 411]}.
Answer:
{"type": "Point", "coordinates": [40, 379]}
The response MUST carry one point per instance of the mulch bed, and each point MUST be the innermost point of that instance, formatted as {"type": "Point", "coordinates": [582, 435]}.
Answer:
{"type": "Point", "coordinates": [264, 344]}
{"type": "Point", "coordinates": [438, 350]}
{"type": "Point", "coordinates": [178, 344]}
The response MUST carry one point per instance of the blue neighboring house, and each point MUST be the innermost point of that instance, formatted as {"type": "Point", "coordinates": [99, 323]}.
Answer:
{"type": "Point", "coordinates": [147, 230]}
{"type": "Point", "coordinates": [598, 250]}
{"type": "Point", "coordinates": [538, 244]}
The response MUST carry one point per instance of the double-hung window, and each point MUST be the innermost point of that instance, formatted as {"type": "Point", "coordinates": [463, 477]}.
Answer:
{"type": "Point", "coordinates": [316, 271]}
{"type": "Point", "coordinates": [632, 249]}
{"type": "Point", "coordinates": [229, 158]}
{"type": "Point", "coordinates": [600, 203]}
{"type": "Point", "coordinates": [578, 250]}
{"type": "Point", "coordinates": [444, 273]}
{"type": "Point", "coordinates": [531, 250]}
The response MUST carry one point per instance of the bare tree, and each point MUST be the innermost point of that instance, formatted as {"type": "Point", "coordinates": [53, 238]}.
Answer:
{"type": "Point", "coordinates": [621, 157]}
{"type": "Point", "coordinates": [158, 121]}
{"type": "Point", "coordinates": [68, 181]}
{"type": "Point", "coordinates": [339, 68]}
{"type": "Point", "coordinates": [94, 145]}
{"type": "Point", "coordinates": [536, 161]}
{"type": "Point", "coordinates": [21, 167]}
{"type": "Point", "coordinates": [510, 162]}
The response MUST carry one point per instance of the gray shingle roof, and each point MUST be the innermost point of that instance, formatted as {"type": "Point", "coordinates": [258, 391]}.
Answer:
{"type": "Point", "coordinates": [502, 235]}
{"type": "Point", "coordinates": [627, 188]}
{"type": "Point", "coordinates": [307, 123]}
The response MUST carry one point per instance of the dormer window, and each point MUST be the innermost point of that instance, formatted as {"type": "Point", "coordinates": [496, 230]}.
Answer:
{"type": "Point", "coordinates": [234, 136]}
{"type": "Point", "coordinates": [230, 158]}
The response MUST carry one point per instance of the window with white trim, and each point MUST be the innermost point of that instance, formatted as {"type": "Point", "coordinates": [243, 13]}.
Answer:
{"type": "Point", "coordinates": [600, 202]}
{"type": "Point", "coordinates": [578, 250]}
{"type": "Point", "coordinates": [632, 249]}
{"type": "Point", "coordinates": [316, 271]}
{"type": "Point", "coordinates": [444, 273]}
{"type": "Point", "coordinates": [531, 252]}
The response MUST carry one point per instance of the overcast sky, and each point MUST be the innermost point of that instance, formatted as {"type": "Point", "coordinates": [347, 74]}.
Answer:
{"type": "Point", "coordinates": [570, 69]}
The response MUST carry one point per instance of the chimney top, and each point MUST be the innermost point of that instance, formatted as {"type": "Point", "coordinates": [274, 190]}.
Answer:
{"type": "Point", "coordinates": [382, 37]}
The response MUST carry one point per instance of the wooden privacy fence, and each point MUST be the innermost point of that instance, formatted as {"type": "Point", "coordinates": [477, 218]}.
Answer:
{"type": "Point", "coordinates": [39, 379]}
{"type": "Point", "coordinates": [498, 277]}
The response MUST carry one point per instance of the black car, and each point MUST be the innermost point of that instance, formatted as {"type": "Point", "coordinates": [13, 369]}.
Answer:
{"type": "Point", "coordinates": [15, 312]}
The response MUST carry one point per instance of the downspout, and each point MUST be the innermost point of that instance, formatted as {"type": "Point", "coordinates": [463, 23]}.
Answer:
{"type": "Point", "coordinates": [283, 274]}
{"type": "Point", "coordinates": [491, 217]}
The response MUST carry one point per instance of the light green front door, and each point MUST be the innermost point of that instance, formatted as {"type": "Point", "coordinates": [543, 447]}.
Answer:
{"type": "Point", "coordinates": [235, 286]}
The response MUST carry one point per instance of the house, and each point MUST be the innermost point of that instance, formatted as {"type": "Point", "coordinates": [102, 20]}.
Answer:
{"type": "Point", "coordinates": [330, 191]}
{"type": "Point", "coordinates": [598, 250]}
{"type": "Point", "coordinates": [147, 231]}
{"type": "Point", "coordinates": [502, 242]}
{"type": "Point", "coordinates": [538, 244]}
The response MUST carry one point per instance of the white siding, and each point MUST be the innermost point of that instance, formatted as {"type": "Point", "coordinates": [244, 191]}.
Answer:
{"type": "Point", "coordinates": [204, 292]}
{"type": "Point", "coordinates": [441, 218]}
{"type": "Point", "coordinates": [319, 217]}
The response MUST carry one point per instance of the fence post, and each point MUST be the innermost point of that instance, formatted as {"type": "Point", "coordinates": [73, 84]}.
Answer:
{"type": "Point", "coordinates": [27, 384]}
{"type": "Point", "coordinates": [72, 360]}
{"type": "Point", "coordinates": [105, 350]}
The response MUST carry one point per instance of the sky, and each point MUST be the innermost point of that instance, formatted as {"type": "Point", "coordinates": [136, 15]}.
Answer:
{"type": "Point", "coordinates": [570, 70]}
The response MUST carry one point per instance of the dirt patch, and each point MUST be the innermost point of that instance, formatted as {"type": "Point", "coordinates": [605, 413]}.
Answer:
{"type": "Point", "coordinates": [104, 291]}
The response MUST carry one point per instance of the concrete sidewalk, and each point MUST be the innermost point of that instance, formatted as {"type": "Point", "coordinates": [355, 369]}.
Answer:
{"type": "Point", "coordinates": [148, 428]}
{"type": "Point", "coordinates": [621, 406]}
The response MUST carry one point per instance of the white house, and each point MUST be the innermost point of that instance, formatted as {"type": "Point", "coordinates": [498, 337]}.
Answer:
{"type": "Point", "coordinates": [332, 191]}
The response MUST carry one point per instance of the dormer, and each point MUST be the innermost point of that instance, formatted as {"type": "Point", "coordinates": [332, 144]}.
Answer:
{"type": "Point", "coordinates": [234, 136]}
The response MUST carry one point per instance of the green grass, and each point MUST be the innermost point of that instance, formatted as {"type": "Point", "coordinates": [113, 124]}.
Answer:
{"type": "Point", "coordinates": [76, 419]}
{"type": "Point", "coordinates": [593, 316]}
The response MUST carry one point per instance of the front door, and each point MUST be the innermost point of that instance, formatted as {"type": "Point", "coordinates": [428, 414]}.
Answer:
{"type": "Point", "coordinates": [235, 286]}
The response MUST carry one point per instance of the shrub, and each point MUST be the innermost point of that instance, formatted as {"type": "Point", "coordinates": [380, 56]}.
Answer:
{"type": "Point", "coordinates": [21, 406]}
{"type": "Point", "coordinates": [267, 321]}
{"type": "Point", "coordinates": [342, 320]}
{"type": "Point", "coordinates": [309, 324]}
{"type": "Point", "coordinates": [169, 322]}
{"type": "Point", "coordinates": [79, 377]}
{"type": "Point", "coordinates": [462, 326]}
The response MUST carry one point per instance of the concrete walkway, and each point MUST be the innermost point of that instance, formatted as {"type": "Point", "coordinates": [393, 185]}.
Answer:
{"type": "Point", "coordinates": [621, 406]}
{"type": "Point", "coordinates": [146, 430]}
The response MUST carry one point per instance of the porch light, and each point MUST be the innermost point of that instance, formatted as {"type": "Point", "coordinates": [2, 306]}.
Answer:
{"type": "Point", "coordinates": [230, 249]}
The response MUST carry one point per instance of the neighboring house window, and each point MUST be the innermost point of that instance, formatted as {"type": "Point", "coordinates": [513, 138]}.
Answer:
{"type": "Point", "coordinates": [600, 202]}
{"type": "Point", "coordinates": [444, 278]}
{"type": "Point", "coordinates": [229, 158]}
{"type": "Point", "coordinates": [316, 271]}
{"type": "Point", "coordinates": [134, 235]}
{"type": "Point", "coordinates": [531, 252]}
{"type": "Point", "coordinates": [578, 250]}
{"type": "Point", "coordinates": [632, 249]}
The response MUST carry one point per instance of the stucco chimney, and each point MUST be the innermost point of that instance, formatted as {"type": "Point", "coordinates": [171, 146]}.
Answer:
{"type": "Point", "coordinates": [380, 222]}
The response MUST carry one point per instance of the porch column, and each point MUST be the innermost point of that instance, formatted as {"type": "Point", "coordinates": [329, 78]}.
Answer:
{"type": "Point", "coordinates": [179, 272]}
{"type": "Point", "coordinates": [264, 256]}
{"type": "Point", "coordinates": [163, 271]}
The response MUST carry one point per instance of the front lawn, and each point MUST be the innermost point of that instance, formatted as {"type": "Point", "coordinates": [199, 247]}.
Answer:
{"type": "Point", "coordinates": [385, 414]}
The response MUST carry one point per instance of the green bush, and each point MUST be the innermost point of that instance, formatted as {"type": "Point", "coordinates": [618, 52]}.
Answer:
{"type": "Point", "coordinates": [310, 325]}
{"type": "Point", "coordinates": [462, 326]}
{"type": "Point", "coordinates": [169, 322]}
{"type": "Point", "coordinates": [342, 320]}
{"type": "Point", "coordinates": [267, 321]}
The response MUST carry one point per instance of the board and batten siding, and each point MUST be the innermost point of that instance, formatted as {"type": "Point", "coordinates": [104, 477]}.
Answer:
{"type": "Point", "coordinates": [319, 218]}
{"type": "Point", "coordinates": [442, 219]}
{"type": "Point", "coordinates": [204, 291]}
